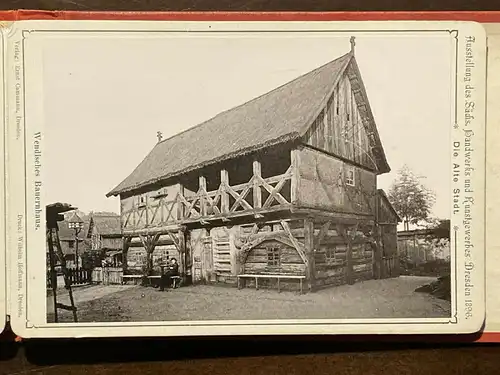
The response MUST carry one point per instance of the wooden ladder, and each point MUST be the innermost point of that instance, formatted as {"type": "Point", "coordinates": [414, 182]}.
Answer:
{"type": "Point", "coordinates": [53, 239]}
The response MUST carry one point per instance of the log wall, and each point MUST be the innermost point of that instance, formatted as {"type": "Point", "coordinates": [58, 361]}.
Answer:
{"type": "Point", "coordinates": [331, 260]}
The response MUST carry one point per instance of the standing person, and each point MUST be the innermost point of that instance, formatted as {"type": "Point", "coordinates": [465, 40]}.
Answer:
{"type": "Point", "coordinates": [166, 278]}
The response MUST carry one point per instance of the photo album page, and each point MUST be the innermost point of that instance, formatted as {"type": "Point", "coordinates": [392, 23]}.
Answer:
{"type": "Point", "coordinates": [196, 178]}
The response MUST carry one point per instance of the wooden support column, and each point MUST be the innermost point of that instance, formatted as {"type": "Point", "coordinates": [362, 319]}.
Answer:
{"type": "Point", "coordinates": [149, 242]}
{"type": "Point", "coordinates": [257, 193]}
{"type": "Point", "coordinates": [309, 244]}
{"type": "Point", "coordinates": [350, 266]}
{"type": "Point", "coordinates": [202, 189]}
{"type": "Point", "coordinates": [294, 183]}
{"type": "Point", "coordinates": [180, 205]}
{"type": "Point", "coordinates": [125, 247]}
{"type": "Point", "coordinates": [181, 241]}
{"type": "Point", "coordinates": [349, 270]}
{"type": "Point", "coordinates": [224, 183]}
{"type": "Point", "coordinates": [379, 273]}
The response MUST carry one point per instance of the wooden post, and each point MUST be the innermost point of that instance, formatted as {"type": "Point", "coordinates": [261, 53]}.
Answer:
{"type": "Point", "coordinates": [350, 268]}
{"type": "Point", "coordinates": [294, 183]}
{"type": "Point", "coordinates": [53, 273]}
{"type": "Point", "coordinates": [181, 243]}
{"type": "Point", "coordinates": [224, 182]}
{"type": "Point", "coordinates": [309, 244]}
{"type": "Point", "coordinates": [234, 233]}
{"type": "Point", "coordinates": [202, 189]}
{"type": "Point", "coordinates": [125, 247]}
{"type": "Point", "coordinates": [257, 193]}
{"type": "Point", "coordinates": [343, 232]}
{"type": "Point", "coordinates": [180, 205]}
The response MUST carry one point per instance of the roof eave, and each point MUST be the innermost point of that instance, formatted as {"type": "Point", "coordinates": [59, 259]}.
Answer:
{"type": "Point", "coordinates": [275, 142]}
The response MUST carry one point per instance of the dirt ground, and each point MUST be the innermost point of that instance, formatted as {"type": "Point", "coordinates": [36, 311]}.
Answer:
{"type": "Point", "coordinates": [390, 298]}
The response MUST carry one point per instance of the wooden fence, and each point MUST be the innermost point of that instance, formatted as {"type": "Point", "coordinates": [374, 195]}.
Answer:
{"type": "Point", "coordinates": [390, 267]}
{"type": "Point", "coordinates": [107, 275]}
{"type": "Point", "coordinates": [76, 277]}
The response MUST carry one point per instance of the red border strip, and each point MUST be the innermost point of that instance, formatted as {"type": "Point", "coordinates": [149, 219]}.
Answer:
{"type": "Point", "coordinates": [489, 337]}
{"type": "Point", "coordinates": [480, 16]}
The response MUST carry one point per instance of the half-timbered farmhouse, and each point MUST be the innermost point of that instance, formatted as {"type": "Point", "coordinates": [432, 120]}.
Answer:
{"type": "Point", "coordinates": [282, 189]}
{"type": "Point", "coordinates": [104, 235]}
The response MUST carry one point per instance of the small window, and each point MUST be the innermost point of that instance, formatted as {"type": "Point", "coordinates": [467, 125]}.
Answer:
{"type": "Point", "coordinates": [273, 256]}
{"type": "Point", "coordinates": [330, 255]}
{"type": "Point", "coordinates": [141, 199]}
{"type": "Point", "coordinates": [348, 117]}
{"type": "Point", "coordinates": [71, 244]}
{"type": "Point", "coordinates": [350, 179]}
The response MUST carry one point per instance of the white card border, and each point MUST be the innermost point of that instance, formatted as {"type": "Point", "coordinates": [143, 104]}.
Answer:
{"type": "Point", "coordinates": [24, 29]}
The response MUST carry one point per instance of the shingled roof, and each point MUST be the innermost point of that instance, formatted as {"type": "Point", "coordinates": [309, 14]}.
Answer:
{"type": "Point", "coordinates": [279, 116]}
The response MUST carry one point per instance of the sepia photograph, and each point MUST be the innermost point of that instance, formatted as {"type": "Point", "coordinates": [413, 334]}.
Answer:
{"type": "Point", "coordinates": [248, 178]}
{"type": "Point", "coordinates": [200, 178]}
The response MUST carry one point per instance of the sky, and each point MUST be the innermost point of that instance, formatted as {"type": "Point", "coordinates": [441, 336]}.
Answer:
{"type": "Point", "coordinates": [106, 97]}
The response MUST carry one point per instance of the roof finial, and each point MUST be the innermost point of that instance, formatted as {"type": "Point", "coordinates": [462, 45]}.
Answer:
{"type": "Point", "coordinates": [159, 136]}
{"type": "Point", "coordinates": [353, 43]}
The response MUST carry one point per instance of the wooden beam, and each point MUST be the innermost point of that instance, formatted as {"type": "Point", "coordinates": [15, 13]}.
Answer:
{"type": "Point", "coordinates": [180, 206]}
{"type": "Point", "coordinates": [322, 233]}
{"type": "Point", "coordinates": [309, 244]}
{"type": "Point", "coordinates": [295, 243]}
{"type": "Point", "coordinates": [126, 245]}
{"type": "Point", "coordinates": [175, 241]}
{"type": "Point", "coordinates": [224, 183]}
{"type": "Point", "coordinates": [257, 192]}
{"type": "Point", "coordinates": [181, 243]}
{"type": "Point", "coordinates": [294, 182]}
{"type": "Point", "coordinates": [202, 183]}
{"type": "Point", "coordinates": [144, 232]}
{"type": "Point", "coordinates": [201, 192]}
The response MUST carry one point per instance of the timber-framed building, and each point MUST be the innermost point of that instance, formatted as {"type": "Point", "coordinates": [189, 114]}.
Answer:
{"type": "Point", "coordinates": [285, 184]}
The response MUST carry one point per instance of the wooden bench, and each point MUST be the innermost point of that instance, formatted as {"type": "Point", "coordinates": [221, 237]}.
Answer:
{"type": "Point", "coordinates": [176, 280]}
{"type": "Point", "coordinates": [126, 278]}
{"type": "Point", "coordinates": [271, 276]}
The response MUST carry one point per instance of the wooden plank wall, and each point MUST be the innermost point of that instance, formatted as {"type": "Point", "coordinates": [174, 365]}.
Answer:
{"type": "Point", "coordinates": [339, 128]}
{"type": "Point", "coordinates": [136, 256]}
{"type": "Point", "coordinates": [321, 184]}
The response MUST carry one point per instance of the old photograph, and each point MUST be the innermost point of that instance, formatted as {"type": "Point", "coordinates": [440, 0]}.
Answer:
{"type": "Point", "coordinates": [248, 175]}
{"type": "Point", "coordinates": [319, 190]}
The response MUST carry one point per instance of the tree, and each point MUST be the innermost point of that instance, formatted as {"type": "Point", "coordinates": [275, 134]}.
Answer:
{"type": "Point", "coordinates": [410, 198]}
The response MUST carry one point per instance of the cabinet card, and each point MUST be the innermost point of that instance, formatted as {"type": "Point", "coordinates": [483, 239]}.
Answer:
{"type": "Point", "coordinates": [242, 178]}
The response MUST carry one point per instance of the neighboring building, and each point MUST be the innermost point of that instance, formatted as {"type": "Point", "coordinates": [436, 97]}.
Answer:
{"type": "Point", "coordinates": [387, 220]}
{"type": "Point", "coordinates": [104, 235]}
{"type": "Point", "coordinates": [283, 184]}
{"type": "Point", "coordinates": [418, 246]}
{"type": "Point", "coordinates": [69, 243]}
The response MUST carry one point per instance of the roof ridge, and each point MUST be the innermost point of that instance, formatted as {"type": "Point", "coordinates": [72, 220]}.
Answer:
{"type": "Point", "coordinates": [311, 72]}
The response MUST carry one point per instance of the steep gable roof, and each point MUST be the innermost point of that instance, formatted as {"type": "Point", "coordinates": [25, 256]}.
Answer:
{"type": "Point", "coordinates": [104, 224]}
{"type": "Point", "coordinates": [279, 116]}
